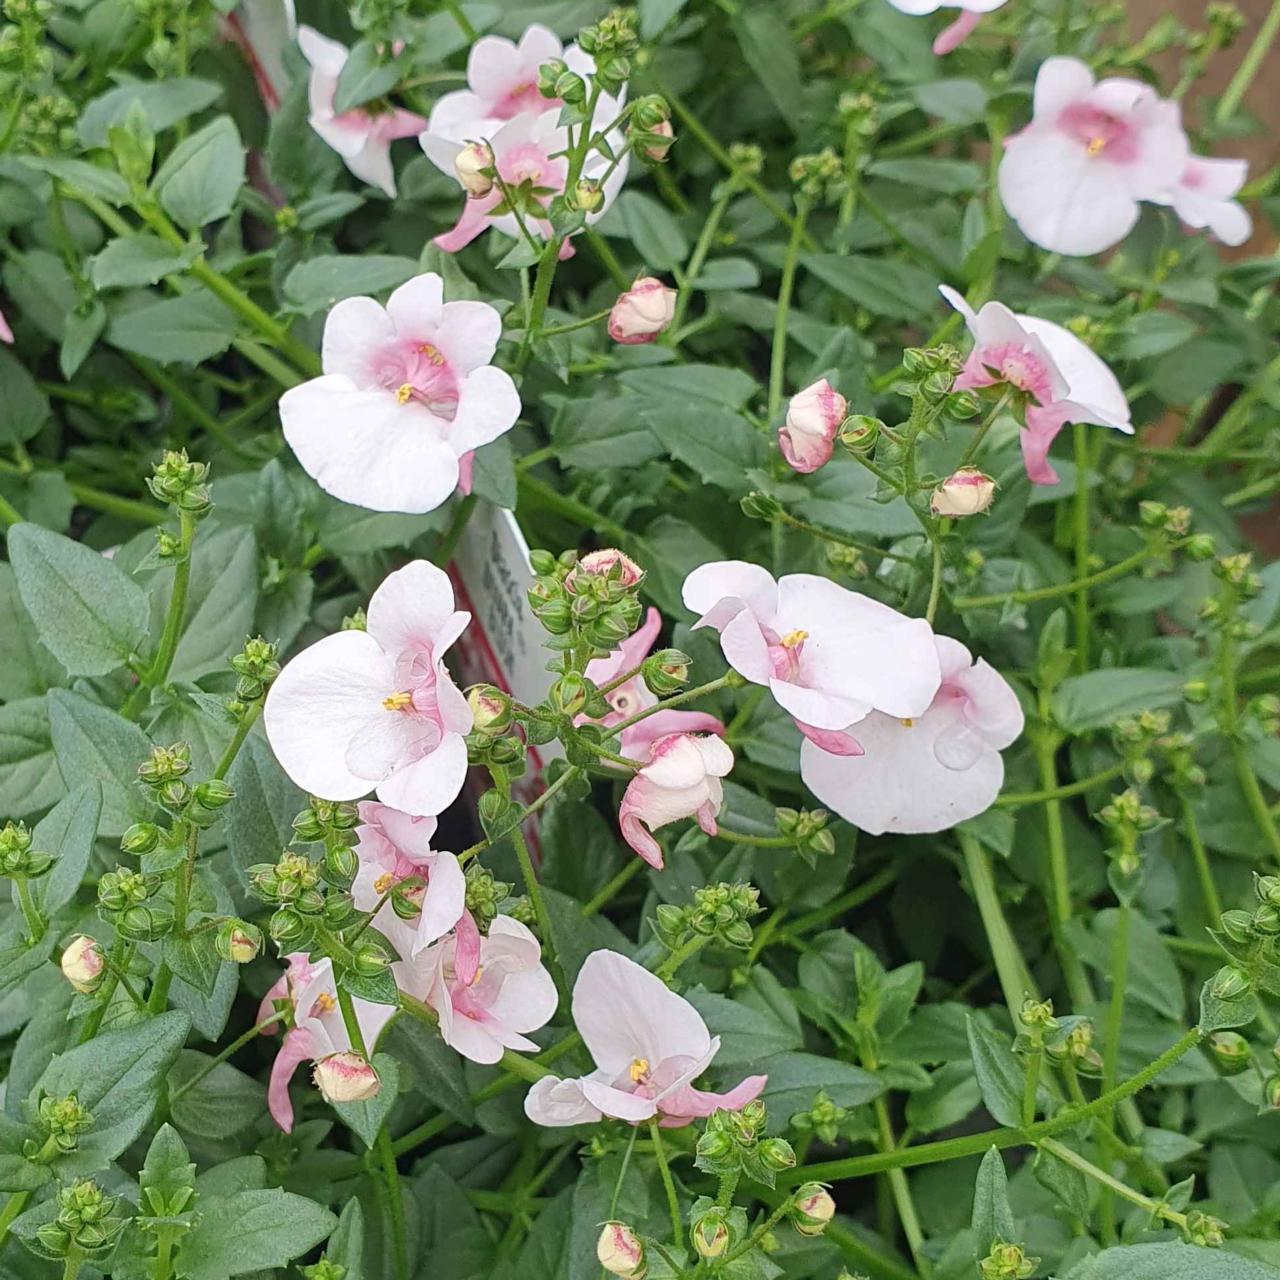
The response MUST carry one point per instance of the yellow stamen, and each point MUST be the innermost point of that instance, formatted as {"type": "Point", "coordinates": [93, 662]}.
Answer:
{"type": "Point", "coordinates": [639, 1069]}
{"type": "Point", "coordinates": [1096, 145]}
{"type": "Point", "coordinates": [383, 883]}
{"type": "Point", "coordinates": [325, 1002]}
{"type": "Point", "coordinates": [908, 723]}
{"type": "Point", "coordinates": [794, 639]}
{"type": "Point", "coordinates": [398, 701]}
{"type": "Point", "coordinates": [432, 353]}
{"type": "Point", "coordinates": [404, 392]}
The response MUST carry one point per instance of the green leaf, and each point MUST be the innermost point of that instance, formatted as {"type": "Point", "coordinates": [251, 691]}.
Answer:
{"type": "Point", "coordinates": [185, 330]}
{"type": "Point", "coordinates": [1171, 1261]}
{"type": "Point", "coordinates": [1217, 1014]}
{"type": "Point", "coordinates": [718, 445]}
{"type": "Point", "coordinates": [1100, 698]}
{"type": "Point", "coordinates": [655, 234]}
{"type": "Point", "coordinates": [67, 832]}
{"type": "Point", "coordinates": [163, 102]}
{"type": "Point", "coordinates": [951, 177]}
{"type": "Point", "coordinates": [431, 1067]}
{"type": "Point", "coordinates": [29, 778]}
{"type": "Point", "coordinates": [193, 959]}
{"type": "Point", "coordinates": [1068, 1185]}
{"type": "Point", "coordinates": [747, 1034]}
{"type": "Point", "coordinates": [770, 51]}
{"type": "Point", "coordinates": [731, 388]}
{"type": "Point", "coordinates": [26, 407]}
{"type": "Point", "coordinates": [251, 1231]}
{"type": "Point", "coordinates": [17, 1173]}
{"type": "Point", "coordinates": [1153, 977]}
{"type": "Point", "coordinates": [318, 283]}
{"type": "Point", "coordinates": [952, 1094]}
{"type": "Point", "coordinates": [367, 74]}
{"type": "Point", "coordinates": [364, 1119]}
{"type": "Point", "coordinates": [168, 1178]}
{"type": "Point", "coordinates": [82, 329]}
{"type": "Point", "coordinates": [796, 1078]}
{"type": "Point", "coordinates": [115, 1077]}
{"type": "Point", "coordinates": [1152, 333]}
{"type": "Point", "coordinates": [132, 261]}
{"type": "Point", "coordinates": [493, 474]}
{"type": "Point", "coordinates": [999, 1072]}
{"type": "Point", "coordinates": [90, 741]}
{"type": "Point", "coordinates": [992, 1217]}
{"type": "Point", "coordinates": [27, 668]}
{"type": "Point", "coordinates": [886, 286]}
{"type": "Point", "coordinates": [89, 613]}
{"type": "Point", "coordinates": [92, 179]}
{"type": "Point", "coordinates": [346, 1245]}
{"type": "Point", "coordinates": [260, 822]}
{"type": "Point", "coordinates": [222, 1103]}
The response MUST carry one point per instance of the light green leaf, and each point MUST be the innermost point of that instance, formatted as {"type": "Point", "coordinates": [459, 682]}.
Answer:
{"type": "Point", "coordinates": [184, 330]}
{"type": "Point", "coordinates": [29, 778]}
{"type": "Point", "coordinates": [318, 283]}
{"type": "Point", "coordinates": [1171, 1261]}
{"type": "Point", "coordinates": [221, 1103]}
{"type": "Point", "coordinates": [368, 73]}
{"type": "Point", "coordinates": [1100, 698]}
{"type": "Point", "coordinates": [364, 1119]}
{"type": "Point", "coordinates": [251, 1231]}
{"type": "Point", "coordinates": [655, 234]}
{"type": "Point", "coordinates": [998, 1071]}
{"type": "Point", "coordinates": [164, 102]}
{"type": "Point", "coordinates": [131, 261]}
{"type": "Point", "coordinates": [26, 407]}
{"type": "Point", "coordinates": [992, 1217]}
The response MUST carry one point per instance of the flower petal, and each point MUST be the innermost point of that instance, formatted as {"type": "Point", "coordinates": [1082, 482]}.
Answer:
{"type": "Point", "coordinates": [430, 785]}
{"type": "Point", "coordinates": [410, 608]}
{"type": "Point", "coordinates": [556, 1103]}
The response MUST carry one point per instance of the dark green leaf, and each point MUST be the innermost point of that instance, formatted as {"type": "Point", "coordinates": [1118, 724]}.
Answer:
{"type": "Point", "coordinates": [364, 1119]}
{"type": "Point", "coordinates": [67, 832]}
{"type": "Point", "coordinates": [367, 74]}
{"type": "Point", "coordinates": [999, 1072]}
{"type": "Point", "coordinates": [251, 1231]}
{"type": "Point", "coordinates": [315, 285]}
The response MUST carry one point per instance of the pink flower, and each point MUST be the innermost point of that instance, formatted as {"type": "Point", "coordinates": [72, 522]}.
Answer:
{"type": "Point", "coordinates": [634, 695]}
{"type": "Point", "coordinates": [1061, 379]}
{"type": "Point", "coordinates": [396, 846]}
{"type": "Point", "coordinates": [608, 563]}
{"type": "Point", "coordinates": [1072, 179]}
{"type": "Point", "coordinates": [928, 772]}
{"type": "Point", "coordinates": [318, 1030]}
{"type": "Point", "coordinates": [527, 149]}
{"type": "Point", "coordinates": [649, 1045]}
{"type": "Point", "coordinates": [814, 416]}
{"type": "Point", "coordinates": [377, 709]}
{"type": "Point", "coordinates": [502, 83]}
{"type": "Point", "coordinates": [966, 493]}
{"type": "Point", "coordinates": [1202, 198]}
{"type": "Point", "coordinates": [407, 392]}
{"type": "Point", "coordinates": [829, 656]}
{"type": "Point", "coordinates": [953, 36]}
{"type": "Point", "coordinates": [681, 780]}
{"type": "Point", "coordinates": [642, 312]}
{"type": "Point", "coordinates": [507, 995]}
{"type": "Point", "coordinates": [362, 136]}
{"type": "Point", "coordinates": [6, 334]}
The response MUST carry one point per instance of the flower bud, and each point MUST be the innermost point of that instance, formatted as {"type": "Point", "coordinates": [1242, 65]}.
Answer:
{"type": "Point", "coordinates": [1237, 925]}
{"type": "Point", "coordinates": [1229, 983]}
{"type": "Point", "coordinates": [807, 436]}
{"type": "Point", "coordinates": [777, 1154]}
{"type": "Point", "coordinates": [642, 312]}
{"type": "Point", "coordinates": [711, 1234]}
{"type": "Point", "coordinates": [760, 506]}
{"type": "Point", "coordinates": [859, 433]}
{"type": "Point", "coordinates": [1266, 920]}
{"type": "Point", "coordinates": [238, 941]}
{"type": "Point", "coordinates": [370, 960]}
{"type": "Point", "coordinates": [1230, 1051]}
{"type": "Point", "coordinates": [714, 1147]}
{"type": "Point", "coordinates": [666, 672]}
{"type": "Point", "coordinates": [608, 565]}
{"type": "Point", "coordinates": [1196, 692]}
{"type": "Point", "coordinates": [346, 1077]}
{"type": "Point", "coordinates": [569, 694]}
{"type": "Point", "coordinates": [548, 74]}
{"type": "Point", "coordinates": [655, 141]}
{"type": "Point", "coordinates": [286, 926]}
{"type": "Point", "coordinates": [1271, 1092]}
{"type": "Point", "coordinates": [490, 709]}
{"type": "Point", "coordinates": [474, 167]}
{"type": "Point", "coordinates": [208, 798]}
{"type": "Point", "coordinates": [1200, 546]}
{"type": "Point", "coordinates": [813, 1209]}
{"type": "Point", "coordinates": [620, 1252]}
{"type": "Point", "coordinates": [141, 838]}
{"type": "Point", "coordinates": [968, 492]}
{"type": "Point", "coordinates": [82, 964]}
{"type": "Point", "coordinates": [341, 863]}
{"type": "Point", "coordinates": [587, 195]}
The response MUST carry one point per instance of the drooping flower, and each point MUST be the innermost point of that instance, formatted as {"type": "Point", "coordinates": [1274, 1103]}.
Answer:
{"type": "Point", "coordinates": [680, 780]}
{"type": "Point", "coordinates": [808, 435]}
{"type": "Point", "coordinates": [928, 772]}
{"type": "Point", "coordinates": [370, 710]}
{"type": "Point", "coordinates": [967, 492]}
{"type": "Point", "coordinates": [363, 135]}
{"type": "Point", "coordinates": [649, 1046]}
{"type": "Point", "coordinates": [1202, 197]}
{"type": "Point", "coordinates": [318, 1033]}
{"type": "Point", "coordinates": [394, 847]}
{"type": "Point", "coordinates": [634, 695]}
{"type": "Point", "coordinates": [829, 656]}
{"type": "Point", "coordinates": [407, 393]}
{"type": "Point", "coordinates": [1073, 178]}
{"type": "Point", "coordinates": [508, 995]}
{"type": "Point", "coordinates": [502, 83]}
{"type": "Point", "coordinates": [1059, 376]}
{"type": "Point", "coordinates": [951, 37]}
{"type": "Point", "coordinates": [642, 312]}
{"type": "Point", "coordinates": [529, 151]}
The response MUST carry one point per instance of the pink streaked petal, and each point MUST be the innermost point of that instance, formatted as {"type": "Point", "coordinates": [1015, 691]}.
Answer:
{"type": "Point", "coordinates": [952, 37]}
{"type": "Point", "coordinates": [838, 742]}
{"type": "Point", "coordinates": [466, 956]}
{"type": "Point", "coordinates": [637, 835]}
{"type": "Point", "coordinates": [296, 1048]}
{"type": "Point", "coordinates": [689, 1102]}
{"type": "Point", "coordinates": [6, 334]}
{"type": "Point", "coordinates": [472, 222]}
{"type": "Point", "coordinates": [642, 735]}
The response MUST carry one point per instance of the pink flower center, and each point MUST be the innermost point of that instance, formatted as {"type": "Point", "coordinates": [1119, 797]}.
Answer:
{"type": "Point", "coordinates": [521, 98]}
{"type": "Point", "coordinates": [1100, 132]}
{"type": "Point", "coordinates": [416, 698]}
{"type": "Point", "coordinates": [1020, 369]}
{"type": "Point", "coordinates": [530, 163]}
{"type": "Point", "coordinates": [418, 370]}
{"type": "Point", "coordinates": [784, 654]}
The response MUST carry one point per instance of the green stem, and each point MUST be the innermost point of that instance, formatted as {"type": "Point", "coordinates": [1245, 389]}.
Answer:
{"type": "Point", "coordinates": [534, 890]}
{"type": "Point", "coordinates": [162, 1267]}
{"type": "Point", "coordinates": [1080, 521]}
{"type": "Point", "coordinates": [840, 539]}
{"type": "Point", "coordinates": [730, 680]}
{"type": "Point", "coordinates": [778, 352]}
{"type": "Point", "coordinates": [36, 923]}
{"type": "Point", "coordinates": [1104, 1179]}
{"type": "Point", "coordinates": [976, 1143]}
{"type": "Point", "coordinates": [117, 963]}
{"type": "Point", "coordinates": [935, 578]}
{"type": "Point", "coordinates": [464, 23]}
{"type": "Point", "coordinates": [462, 514]}
{"type": "Point", "coordinates": [902, 1192]}
{"type": "Point", "coordinates": [395, 1202]}
{"type": "Point", "coordinates": [1030, 1084]}
{"type": "Point", "coordinates": [9, 514]}
{"type": "Point", "coordinates": [571, 509]}
{"type": "Point", "coordinates": [608, 259]}
{"type": "Point", "coordinates": [670, 966]}
{"type": "Point", "coordinates": [12, 1207]}
{"type": "Point", "coordinates": [1111, 1046]}
{"type": "Point", "coordinates": [243, 727]}
{"type": "Point", "coordinates": [573, 325]}
{"type": "Point", "coordinates": [529, 810]}
{"type": "Point", "coordinates": [759, 842]}
{"type": "Point", "coordinates": [1016, 799]}
{"type": "Point", "coordinates": [706, 238]}
{"type": "Point", "coordinates": [1016, 982]}
{"type": "Point", "coordinates": [673, 1204]}
{"type": "Point", "coordinates": [869, 889]}
{"type": "Point", "coordinates": [538, 303]}
{"type": "Point", "coordinates": [233, 1048]}
{"type": "Point", "coordinates": [1200, 857]}
{"type": "Point", "coordinates": [113, 504]}
{"type": "Point", "coordinates": [1250, 65]}
{"type": "Point", "coordinates": [606, 895]}
{"type": "Point", "coordinates": [1119, 570]}
{"type": "Point", "coordinates": [72, 1264]}
{"type": "Point", "coordinates": [981, 433]}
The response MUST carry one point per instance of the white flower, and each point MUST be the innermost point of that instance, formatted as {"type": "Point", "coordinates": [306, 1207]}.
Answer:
{"type": "Point", "coordinates": [1202, 198]}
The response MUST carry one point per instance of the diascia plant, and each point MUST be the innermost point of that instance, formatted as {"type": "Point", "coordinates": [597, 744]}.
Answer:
{"type": "Point", "coordinates": [847, 845]}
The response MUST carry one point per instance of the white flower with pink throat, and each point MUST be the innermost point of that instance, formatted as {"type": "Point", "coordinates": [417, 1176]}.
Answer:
{"type": "Point", "coordinates": [370, 710]}
{"type": "Point", "coordinates": [1057, 375]}
{"type": "Point", "coordinates": [829, 656]}
{"type": "Point", "coordinates": [395, 847]}
{"type": "Point", "coordinates": [1204, 197]}
{"type": "Point", "coordinates": [954, 35]}
{"type": "Point", "coordinates": [928, 772]}
{"type": "Point", "coordinates": [363, 135]}
{"type": "Point", "coordinates": [649, 1046]}
{"type": "Point", "coordinates": [808, 435]}
{"type": "Point", "coordinates": [680, 780]}
{"type": "Point", "coordinates": [1074, 177]}
{"type": "Point", "coordinates": [486, 1008]}
{"type": "Point", "coordinates": [408, 393]}
{"type": "Point", "coordinates": [319, 1035]}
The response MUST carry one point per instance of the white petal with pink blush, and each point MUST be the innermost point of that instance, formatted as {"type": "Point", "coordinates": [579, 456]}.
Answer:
{"type": "Point", "coordinates": [1204, 198]}
{"type": "Point", "coordinates": [649, 1046]}
{"type": "Point", "coordinates": [407, 392]}
{"type": "Point", "coordinates": [929, 772]}
{"type": "Point", "coordinates": [1060, 376]}
{"type": "Point", "coordinates": [370, 710]}
{"type": "Point", "coordinates": [1074, 177]}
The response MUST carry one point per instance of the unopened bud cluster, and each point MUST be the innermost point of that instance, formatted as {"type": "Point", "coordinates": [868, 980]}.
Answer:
{"type": "Point", "coordinates": [1006, 1262]}
{"type": "Point", "coordinates": [721, 911]}
{"type": "Point", "coordinates": [86, 1221]}
{"type": "Point", "coordinates": [612, 43]}
{"type": "Point", "coordinates": [586, 602]}
{"type": "Point", "coordinates": [734, 1142]}
{"type": "Point", "coordinates": [807, 828]}
{"type": "Point", "coordinates": [650, 132]}
{"type": "Point", "coordinates": [131, 902]}
{"type": "Point", "coordinates": [17, 858]}
{"type": "Point", "coordinates": [1071, 1040]}
{"type": "Point", "coordinates": [825, 1119]}
{"type": "Point", "coordinates": [1126, 817]}
{"type": "Point", "coordinates": [182, 484]}
{"type": "Point", "coordinates": [256, 666]}
{"type": "Point", "coordinates": [62, 1121]}
{"type": "Point", "coordinates": [486, 896]}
